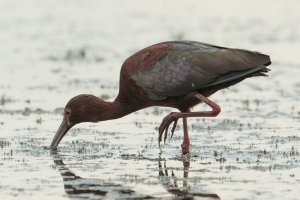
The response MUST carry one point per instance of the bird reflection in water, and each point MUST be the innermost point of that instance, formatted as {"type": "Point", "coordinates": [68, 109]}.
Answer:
{"type": "Point", "coordinates": [78, 187]}
{"type": "Point", "coordinates": [170, 183]}
{"type": "Point", "coordinates": [88, 188]}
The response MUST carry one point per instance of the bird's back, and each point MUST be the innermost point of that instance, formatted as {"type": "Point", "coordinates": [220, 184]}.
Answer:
{"type": "Point", "coordinates": [176, 68]}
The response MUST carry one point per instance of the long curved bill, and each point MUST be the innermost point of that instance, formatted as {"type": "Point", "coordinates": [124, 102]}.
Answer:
{"type": "Point", "coordinates": [62, 130]}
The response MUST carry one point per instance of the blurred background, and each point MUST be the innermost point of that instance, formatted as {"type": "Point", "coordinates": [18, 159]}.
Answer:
{"type": "Point", "coordinates": [52, 50]}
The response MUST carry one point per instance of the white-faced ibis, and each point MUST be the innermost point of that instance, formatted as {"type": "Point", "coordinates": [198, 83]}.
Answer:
{"type": "Point", "coordinates": [177, 74]}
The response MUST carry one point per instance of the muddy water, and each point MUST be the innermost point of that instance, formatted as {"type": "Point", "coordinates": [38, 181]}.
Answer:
{"type": "Point", "coordinates": [53, 50]}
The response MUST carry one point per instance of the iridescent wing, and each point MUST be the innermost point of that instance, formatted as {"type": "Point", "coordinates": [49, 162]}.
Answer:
{"type": "Point", "coordinates": [187, 66]}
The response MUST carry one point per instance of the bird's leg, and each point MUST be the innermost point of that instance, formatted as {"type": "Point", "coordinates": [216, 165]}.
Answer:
{"type": "Point", "coordinates": [185, 146]}
{"type": "Point", "coordinates": [174, 116]}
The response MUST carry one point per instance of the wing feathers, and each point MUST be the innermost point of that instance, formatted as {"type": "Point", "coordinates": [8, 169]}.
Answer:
{"type": "Point", "coordinates": [189, 66]}
{"type": "Point", "coordinates": [231, 76]}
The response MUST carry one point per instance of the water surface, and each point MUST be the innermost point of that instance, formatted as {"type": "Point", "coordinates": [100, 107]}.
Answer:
{"type": "Point", "coordinates": [53, 50]}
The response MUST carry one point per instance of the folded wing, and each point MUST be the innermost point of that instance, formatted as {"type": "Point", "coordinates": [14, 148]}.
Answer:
{"type": "Point", "coordinates": [188, 66]}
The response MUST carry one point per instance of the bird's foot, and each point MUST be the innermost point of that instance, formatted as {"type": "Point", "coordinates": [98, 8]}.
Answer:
{"type": "Point", "coordinates": [164, 126]}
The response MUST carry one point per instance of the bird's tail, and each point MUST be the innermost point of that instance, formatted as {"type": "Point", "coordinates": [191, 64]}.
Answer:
{"type": "Point", "coordinates": [233, 78]}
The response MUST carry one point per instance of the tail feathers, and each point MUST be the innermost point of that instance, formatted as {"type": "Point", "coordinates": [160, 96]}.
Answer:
{"type": "Point", "coordinates": [227, 82]}
{"type": "Point", "coordinates": [231, 76]}
{"type": "Point", "coordinates": [268, 63]}
{"type": "Point", "coordinates": [262, 72]}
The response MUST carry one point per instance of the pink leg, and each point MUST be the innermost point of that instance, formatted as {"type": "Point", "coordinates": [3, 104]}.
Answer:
{"type": "Point", "coordinates": [186, 141]}
{"type": "Point", "coordinates": [174, 116]}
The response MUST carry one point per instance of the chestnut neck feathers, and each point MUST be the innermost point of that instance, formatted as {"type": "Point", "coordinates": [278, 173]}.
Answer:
{"type": "Point", "coordinates": [88, 108]}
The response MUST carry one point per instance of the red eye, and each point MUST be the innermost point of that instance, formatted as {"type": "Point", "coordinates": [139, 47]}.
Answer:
{"type": "Point", "coordinates": [68, 112]}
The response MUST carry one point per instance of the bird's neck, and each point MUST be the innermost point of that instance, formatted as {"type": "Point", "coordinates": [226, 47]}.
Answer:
{"type": "Point", "coordinates": [116, 109]}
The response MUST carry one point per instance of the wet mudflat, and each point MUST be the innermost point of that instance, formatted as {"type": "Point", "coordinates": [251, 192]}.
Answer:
{"type": "Point", "coordinates": [53, 50]}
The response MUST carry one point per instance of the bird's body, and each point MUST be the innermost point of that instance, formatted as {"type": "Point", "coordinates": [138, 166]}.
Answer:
{"type": "Point", "coordinates": [178, 74]}
{"type": "Point", "coordinates": [162, 74]}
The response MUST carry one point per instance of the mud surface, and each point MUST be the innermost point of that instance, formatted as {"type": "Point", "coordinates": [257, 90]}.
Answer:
{"type": "Point", "coordinates": [53, 50]}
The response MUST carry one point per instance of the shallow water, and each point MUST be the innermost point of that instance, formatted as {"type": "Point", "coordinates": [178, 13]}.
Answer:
{"type": "Point", "coordinates": [53, 50]}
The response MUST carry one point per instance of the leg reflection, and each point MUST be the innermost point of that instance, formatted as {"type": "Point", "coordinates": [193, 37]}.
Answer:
{"type": "Point", "coordinates": [170, 183]}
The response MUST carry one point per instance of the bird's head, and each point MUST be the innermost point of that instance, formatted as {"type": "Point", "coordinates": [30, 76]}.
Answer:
{"type": "Point", "coordinates": [81, 108]}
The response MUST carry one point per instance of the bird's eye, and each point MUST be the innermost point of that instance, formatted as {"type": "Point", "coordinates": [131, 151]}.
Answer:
{"type": "Point", "coordinates": [68, 112]}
